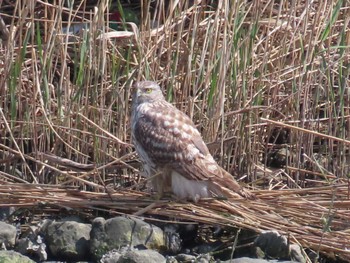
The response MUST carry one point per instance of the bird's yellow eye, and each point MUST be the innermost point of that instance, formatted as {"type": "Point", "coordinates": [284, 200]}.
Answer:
{"type": "Point", "coordinates": [148, 90]}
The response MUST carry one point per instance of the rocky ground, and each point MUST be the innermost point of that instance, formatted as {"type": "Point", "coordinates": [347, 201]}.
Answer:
{"type": "Point", "coordinates": [129, 239]}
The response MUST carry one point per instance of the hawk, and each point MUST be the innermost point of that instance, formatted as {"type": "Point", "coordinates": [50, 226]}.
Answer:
{"type": "Point", "coordinates": [172, 150]}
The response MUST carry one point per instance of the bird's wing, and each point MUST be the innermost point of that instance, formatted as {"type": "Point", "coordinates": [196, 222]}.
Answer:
{"type": "Point", "coordinates": [171, 140]}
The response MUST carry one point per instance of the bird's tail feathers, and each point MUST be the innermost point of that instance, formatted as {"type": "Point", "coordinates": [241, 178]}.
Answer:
{"type": "Point", "coordinates": [227, 186]}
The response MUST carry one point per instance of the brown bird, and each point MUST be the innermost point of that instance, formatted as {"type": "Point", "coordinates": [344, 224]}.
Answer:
{"type": "Point", "coordinates": [172, 150]}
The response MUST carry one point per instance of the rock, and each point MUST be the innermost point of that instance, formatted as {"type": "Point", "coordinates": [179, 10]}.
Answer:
{"type": "Point", "coordinates": [254, 260]}
{"type": "Point", "coordinates": [7, 235]}
{"type": "Point", "coordinates": [202, 258]}
{"type": "Point", "coordinates": [10, 256]}
{"type": "Point", "coordinates": [207, 247]}
{"type": "Point", "coordinates": [131, 255]}
{"type": "Point", "coordinates": [33, 246]}
{"type": "Point", "coordinates": [141, 256]}
{"type": "Point", "coordinates": [185, 258]}
{"type": "Point", "coordinates": [280, 157]}
{"type": "Point", "coordinates": [119, 232]}
{"type": "Point", "coordinates": [171, 259]}
{"type": "Point", "coordinates": [296, 253]}
{"type": "Point", "coordinates": [274, 245]}
{"type": "Point", "coordinates": [111, 256]}
{"type": "Point", "coordinates": [6, 212]}
{"type": "Point", "coordinates": [68, 239]}
{"type": "Point", "coordinates": [173, 241]}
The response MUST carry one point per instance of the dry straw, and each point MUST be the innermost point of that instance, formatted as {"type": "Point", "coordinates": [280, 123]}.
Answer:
{"type": "Point", "coordinates": [313, 220]}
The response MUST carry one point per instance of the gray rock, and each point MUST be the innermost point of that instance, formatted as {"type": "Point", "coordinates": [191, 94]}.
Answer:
{"type": "Point", "coordinates": [171, 259]}
{"type": "Point", "coordinates": [130, 255]}
{"type": "Point", "coordinates": [141, 256]}
{"type": "Point", "coordinates": [173, 241]}
{"type": "Point", "coordinates": [9, 256]}
{"type": "Point", "coordinates": [275, 245]}
{"type": "Point", "coordinates": [68, 239]}
{"type": "Point", "coordinates": [111, 256]}
{"type": "Point", "coordinates": [254, 260]}
{"type": "Point", "coordinates": [114, 255]}
{"type": "Point", "coordinates": [7, 235]}
{"type": "Point", "coordinates": [32, 245]}
{"type": "Point", "coordinates": [119, 232]}
{"type": "Point", "coordinates": [296, 253]}
{"type": "Point", "coordinates": [6, 212]}
{"type": "Point", "coordinates": [202, 258]}
{"type": "Point", "coordinates": [185, 258]}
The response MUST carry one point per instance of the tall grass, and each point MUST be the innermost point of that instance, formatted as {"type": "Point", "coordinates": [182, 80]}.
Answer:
{"type": "Point", "coordinates": [230, 65]}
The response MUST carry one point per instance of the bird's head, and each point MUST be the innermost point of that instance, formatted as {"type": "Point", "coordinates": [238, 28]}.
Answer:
{"type": "Point", "coordinates": [146, 91]}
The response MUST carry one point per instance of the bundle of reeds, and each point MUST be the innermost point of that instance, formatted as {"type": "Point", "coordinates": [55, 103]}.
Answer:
{"type": "Point", "coordinates": [316, 218]}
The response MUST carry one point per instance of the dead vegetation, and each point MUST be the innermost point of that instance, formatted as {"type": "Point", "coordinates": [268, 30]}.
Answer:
{"type": "Point", "coordinates": [267, 83]}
